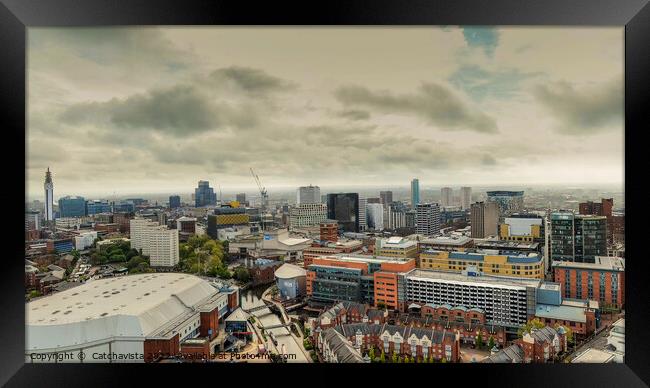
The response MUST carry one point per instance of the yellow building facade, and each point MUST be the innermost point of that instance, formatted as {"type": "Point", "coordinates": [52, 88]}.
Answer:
{"type": "Point", "coordinates": [531, 266]}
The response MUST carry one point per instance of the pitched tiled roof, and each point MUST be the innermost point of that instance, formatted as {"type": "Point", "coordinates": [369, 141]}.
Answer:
{"type": "Point", "coordinates": [344, 350]}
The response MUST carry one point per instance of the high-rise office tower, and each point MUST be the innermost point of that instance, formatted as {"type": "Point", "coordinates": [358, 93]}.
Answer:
{"type": "Point", "coordinates": [72, 206]}
{"type": "Point", "coordinates": [308, 194]}
{"type": "Point", "coordinates": [465, 197]}
{"type": "Point", "coordinates": [509, 201]}
{"type": "Point", "coordinates": [204, 195]}
{"type": "Point", "coordinates": [578, 238]}
{"type": "Point", "coordinates": [375, 216]}
{"type": "Point", "coordinates": [174, 201]}
{"type": "Point", "coordinates": [446, 197]}
{"type": "Point", "coordinates": [241, 198]}
{"type": "Point", "coordinates": [427, 219]}
{"type": "Point", "coordinates": [363, 214]}
{"type": "Point", "coordinates": [49, 196]}
{"type": "Point", "coordinates": [306, 215]}
{"type": "Point", "coordinates": [344, 208]}
{"type": "Point", "coordinates": [415, 193]}
{"type": "Point", "coordinates": [484, 219]}
{"type": "Point", "coordinates": [602, 208]}
{"type": "Point", "coordinates": [386, 197]}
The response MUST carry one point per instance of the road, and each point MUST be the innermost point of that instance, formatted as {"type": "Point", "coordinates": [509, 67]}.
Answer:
{"type": "Point", "coordinates": [598, 341]}
{"type": "Point", "coordinates": [282, 334]}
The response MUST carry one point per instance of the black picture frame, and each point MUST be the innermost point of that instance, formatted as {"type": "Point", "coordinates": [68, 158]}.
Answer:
{"type": "Point", "coordinates": [17, 15]}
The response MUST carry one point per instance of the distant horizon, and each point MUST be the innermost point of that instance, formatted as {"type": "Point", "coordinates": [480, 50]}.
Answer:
{"type": "Point", "coordinates": [337, 188]}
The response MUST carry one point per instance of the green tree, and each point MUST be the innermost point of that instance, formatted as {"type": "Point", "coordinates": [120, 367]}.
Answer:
{"type": "Point", "coordinates": [132, 253]}
{"type": "Point", "coordinates": [371, 353]}
{"type": "Point", "coordinates": [491, 343]}
{"type": "Point", "coordinates": [479, 341]}
{"type": "Point", "coordinates": [394, 358]}
{"type": "Point", "coordinates": [242, 274]}
{"type": "Point", "coordinates": [34, 294]}
{"type": "Point", "coordinates": [533, 323]}
{"type": "Point", "coordinates": [443, 360]}
{"type": "Point", "coordinates": [382, 357]}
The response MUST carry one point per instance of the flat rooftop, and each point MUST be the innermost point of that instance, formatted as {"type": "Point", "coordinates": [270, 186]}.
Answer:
{"type": "Point", "coordinates": [602, 263]}
{"type": "Point", "coordinates": [483, 279]}
{"type": "Point", "coordinates": [123, 295]}
{"type": "Point", "coordinates": [507, 244]}
{"type": "Point", "coordinates": [368, 259]}
{"type": "Point", "coordinates": [562, 312]}
{"type": "Point", "coordinates": [594, 356]}
{"type": "Point", "coordinates": [447, 240]}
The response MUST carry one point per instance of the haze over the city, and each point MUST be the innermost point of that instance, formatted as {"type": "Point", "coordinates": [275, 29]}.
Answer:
{"type": "Point", "coordinates": [154, 110]}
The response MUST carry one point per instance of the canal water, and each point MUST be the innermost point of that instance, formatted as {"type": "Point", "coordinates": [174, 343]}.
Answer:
{"type": "Point", "coordinates": [286, 343]}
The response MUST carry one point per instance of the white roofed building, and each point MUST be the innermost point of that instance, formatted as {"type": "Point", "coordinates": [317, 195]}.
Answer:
{"type": "Point", "coordinates": [124, 319]}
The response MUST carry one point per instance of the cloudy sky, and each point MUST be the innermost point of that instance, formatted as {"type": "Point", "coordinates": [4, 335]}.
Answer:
{"type": "Point", "coordinates": [148, 110]}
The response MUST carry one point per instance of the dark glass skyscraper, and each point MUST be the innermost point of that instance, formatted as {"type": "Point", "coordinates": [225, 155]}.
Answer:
{"type": "Point", "coordinates": [204, 195]}
{"type": "Point", "coordinates": [72, 206]}
{"type": "Point", "coordinates": [344, 207]}
{"type": "Point", "coordinates": [174, 201]}
{"type": "Point", "coordinates": [578, 238]}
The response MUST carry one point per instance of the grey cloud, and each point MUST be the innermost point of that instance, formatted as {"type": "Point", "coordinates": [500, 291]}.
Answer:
{"type": "Point", "coordinates": [354, 114]}
{"type": "Point", "coordinates": [251, 80]}
{"type": "Point", "coordinates": [107, 46]}
{"type": "Point", "coordinates": [432, 102]}
{"type": "Point", "coordinates": [586, 111]}
{"type": "Point", "coordinates": [488, 160]}
{"type": "Point", "coordinates": [178, 110]}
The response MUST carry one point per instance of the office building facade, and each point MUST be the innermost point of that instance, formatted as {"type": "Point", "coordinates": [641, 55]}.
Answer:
{"type": "Point", "coordinates": [356, 278]}
{"type": "Point", "coordinates": [465, 197]}
{"type": "Point", "coordinates": [602, 208]}
{"type": "Point", "coordinates": [484, 218]}
{"type": "Point", "coordinates": [519, 266]}
{"type": "Point", "coordinates": [446, 197]}
{"type": "Point", "coordinates": [415, 193]}
{"type": "Point", "coordinates": [386, 197]}
{"type": "Point", "coordinates": [363, 214]}
{"type": "Point", "coordinates": [308, 194]}
{"type": "Point", "coordinates": [427, 219]}
{"type": "Point", "coordinates": [602, 281]}
{"type": "Point", "coordinates": [509, 201]}
{"type": "Point", "coordinates": [375, 216]}
{"type": "Point", "coordinates": [97, 206]}
{"type": "Point", "coordinates": [307, 215]}
{"type": "Point", "coordinates": [344, 208]}
{"type": "Point", "coordinates": [204, 195]}
{"type": "Point", "coordinates": [578, 238]}
{"type": "Point", "coordinates": [174, 201]}
{"type": "Point", "coordinates": [225, 217]}
{"type": "Point", "coordinates": [72, 207]}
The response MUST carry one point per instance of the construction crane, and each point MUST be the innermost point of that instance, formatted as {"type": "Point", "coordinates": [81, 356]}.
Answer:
{"type": "Point", "coordinates": [263, 194]}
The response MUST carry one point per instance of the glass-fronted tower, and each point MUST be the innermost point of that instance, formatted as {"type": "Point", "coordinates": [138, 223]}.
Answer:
{"type": "Point", "coordinates": [415, 192]}
{"type": "Point", "coordinates": [344, 207]}
{"type": "Point", "coordinates": [204, 195]}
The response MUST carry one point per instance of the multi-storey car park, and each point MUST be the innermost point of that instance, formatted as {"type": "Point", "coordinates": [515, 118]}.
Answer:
{"type": "Point", "coordinates": [507, 302]}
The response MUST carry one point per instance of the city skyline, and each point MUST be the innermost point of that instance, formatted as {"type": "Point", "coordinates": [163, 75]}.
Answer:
{"type": "Point", "coordinates": [139, 110]}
